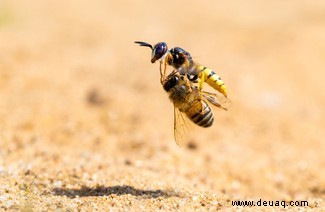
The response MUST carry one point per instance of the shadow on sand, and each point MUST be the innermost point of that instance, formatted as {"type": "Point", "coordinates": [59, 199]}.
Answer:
{"type": "Point", "coordinates": [117, 190]}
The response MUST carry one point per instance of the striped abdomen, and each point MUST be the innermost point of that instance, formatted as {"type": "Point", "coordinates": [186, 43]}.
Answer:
{"type": "Point", "coordinates": [194, 113]}
{"type": "Point", "coordinates": [211, 78]}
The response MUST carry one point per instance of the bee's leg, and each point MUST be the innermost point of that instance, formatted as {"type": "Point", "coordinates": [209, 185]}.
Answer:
{"type": "Point", "coordinates": [200, 98]}
{"type": "Point", "coordinates": [189, 87]}
{"type": "Point", "coordinates": [188, 83]}
{"type": "Point", "coordinates": [201, 101]}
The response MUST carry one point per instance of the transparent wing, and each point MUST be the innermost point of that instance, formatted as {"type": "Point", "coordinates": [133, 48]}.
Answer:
{"type": "Point", "coordinates": [181, 126]}
{"type": "Point", "coordinates": [217, 99]}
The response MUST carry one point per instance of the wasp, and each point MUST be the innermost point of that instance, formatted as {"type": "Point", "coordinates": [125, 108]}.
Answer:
{"type": "Point", "coordinates": [182, 61]}
{"type": "Point", "coordinates": [192, 102]}
{"type": "Point", "coordinates": [166, 57]}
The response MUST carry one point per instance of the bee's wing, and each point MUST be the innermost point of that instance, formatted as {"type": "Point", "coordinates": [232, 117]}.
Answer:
{"type": "Point", "coordinates": [217, 100]}
{"type": "Point", "coordinates": [181, 126]}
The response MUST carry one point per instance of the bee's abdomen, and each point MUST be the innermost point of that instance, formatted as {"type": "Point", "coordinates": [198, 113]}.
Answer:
{"type": "Point", "coordinates": [203, 119]}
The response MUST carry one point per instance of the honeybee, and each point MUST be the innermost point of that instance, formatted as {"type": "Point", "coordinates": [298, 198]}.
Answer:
{"type": "Point", "coordinates": [188, 100]}
{"type": "Point", "coordinates": [182, 61]}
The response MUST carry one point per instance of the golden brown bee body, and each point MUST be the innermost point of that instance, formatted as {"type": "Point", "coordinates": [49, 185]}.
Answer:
{"type": "Point", "coordinates": [188, 100]}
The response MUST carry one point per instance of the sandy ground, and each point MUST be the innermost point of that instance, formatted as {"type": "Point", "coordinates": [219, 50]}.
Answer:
{"type": "Point", "coordinates": [85, 123]}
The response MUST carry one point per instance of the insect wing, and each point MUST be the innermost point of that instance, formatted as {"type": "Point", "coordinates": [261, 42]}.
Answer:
{"type": "Point", "coordinates": [181, 127]}
{"type": "Point", "coordinates": [217, 100]}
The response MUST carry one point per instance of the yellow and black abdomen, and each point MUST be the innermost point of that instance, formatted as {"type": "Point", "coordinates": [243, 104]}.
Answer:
{"type": "Point", "coordinates": [211, 78]}
{"type": "Point", "coordinates": [195, 114]}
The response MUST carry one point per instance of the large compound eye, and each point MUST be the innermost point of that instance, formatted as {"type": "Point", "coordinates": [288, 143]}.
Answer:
{"type": "Point", "coordinates": [171, 82]}
{"type": "Point", "coordinates": [175, 80]}
{"type": "Point", "coordinates": [158, 51]}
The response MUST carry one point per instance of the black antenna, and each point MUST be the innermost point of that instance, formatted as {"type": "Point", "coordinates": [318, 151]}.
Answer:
{"type": "Point", "coordinates": [143, 44]}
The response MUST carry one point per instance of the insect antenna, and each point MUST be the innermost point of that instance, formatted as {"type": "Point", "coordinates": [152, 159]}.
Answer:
{"type": "Point", "coordinates": [143, 44]}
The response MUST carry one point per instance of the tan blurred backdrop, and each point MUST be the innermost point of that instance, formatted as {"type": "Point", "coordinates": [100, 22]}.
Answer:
{"type": "Point", "coordinates": [73, 83]}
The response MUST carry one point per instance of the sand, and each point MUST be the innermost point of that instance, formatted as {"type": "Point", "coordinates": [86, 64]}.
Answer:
{"type": "Point", "coordinates": [85, 124]}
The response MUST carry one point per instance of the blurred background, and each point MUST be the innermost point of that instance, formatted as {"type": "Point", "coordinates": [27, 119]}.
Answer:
{"type": "Point", "coordinates": [78, 95]}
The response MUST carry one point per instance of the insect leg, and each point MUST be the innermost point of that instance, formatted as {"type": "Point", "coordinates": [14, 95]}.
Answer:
{"type": "Point", "coordinates": [163, 72]}
{"type": "Point", "coordinates": [162, 77]}
{"type": "Point", "coordinates": [202, 79]}
{"type": "Point", "coordinates": [201, 101]}
{"type": "Point", "coordinates": [201, 95]}
{"type": "Point", "coordinates": [188, 84]}
{"type": "Point", "coordinates": [165, 67]}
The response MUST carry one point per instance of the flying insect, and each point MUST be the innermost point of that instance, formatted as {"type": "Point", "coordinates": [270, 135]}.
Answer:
{"type": "Point", "coordinates": [188, 100]}
{"type": "Point", "coordinates": [182, 61]}
{"type": "Point", "coordinates": [172, 57]}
